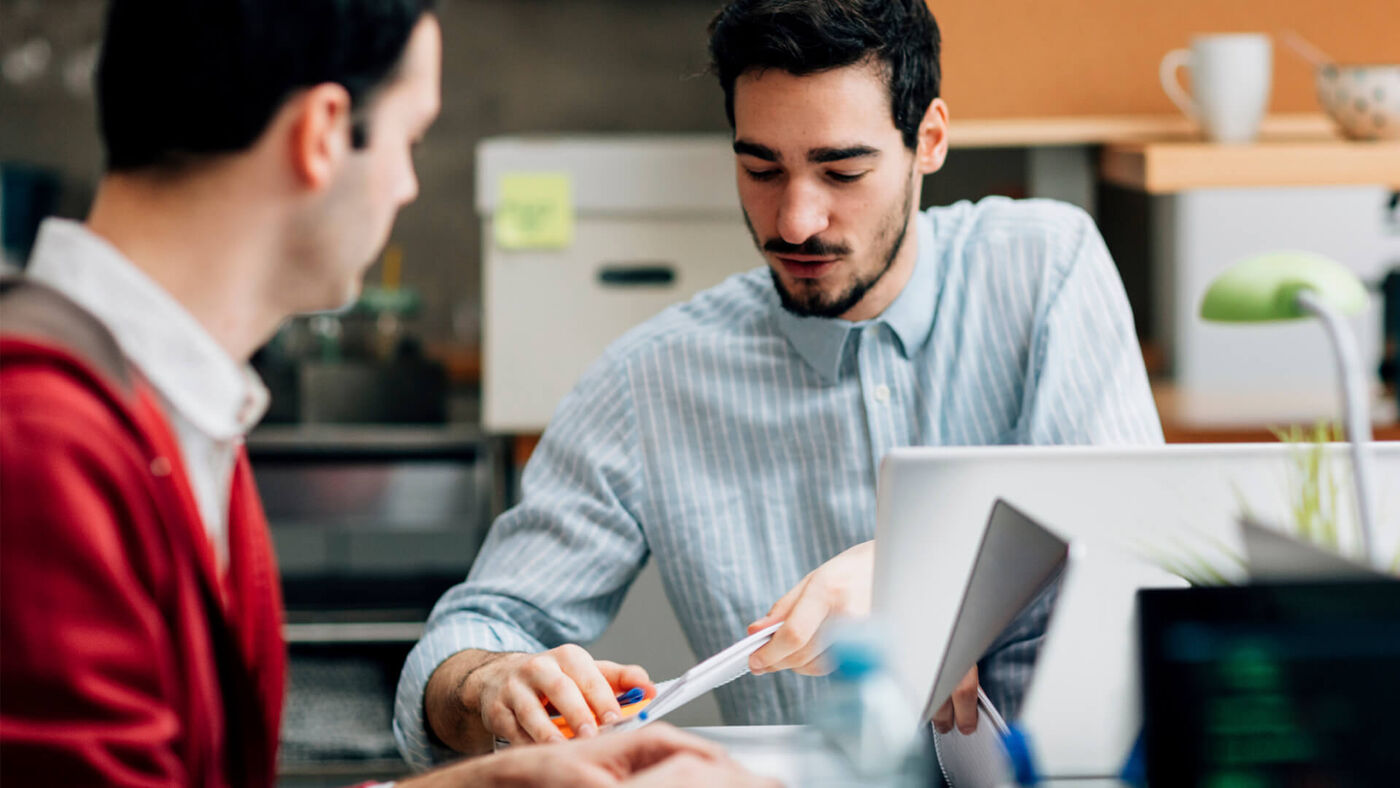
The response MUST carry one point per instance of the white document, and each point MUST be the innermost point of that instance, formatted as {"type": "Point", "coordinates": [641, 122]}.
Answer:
{"type": "Point", "coordinates": [978, 759]}
{"type": "Point", "coordinates": [705, 677]}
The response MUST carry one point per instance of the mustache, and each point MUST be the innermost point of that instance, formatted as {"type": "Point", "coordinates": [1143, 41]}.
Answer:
{"type": "Point", "coordinates": [812, 246]}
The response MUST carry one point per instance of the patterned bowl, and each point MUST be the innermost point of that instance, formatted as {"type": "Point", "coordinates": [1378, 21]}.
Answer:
{"type": "Point", "coordinates": [1363, 100]}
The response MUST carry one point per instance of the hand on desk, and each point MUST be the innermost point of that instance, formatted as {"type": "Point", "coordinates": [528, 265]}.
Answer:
{"type": "Point", "coordinates": [838, 588]}
{"type": "Point", "coordinates": [657, 755]}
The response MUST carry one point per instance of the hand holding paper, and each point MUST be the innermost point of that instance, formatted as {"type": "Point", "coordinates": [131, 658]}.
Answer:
{"type": "Point", "coordinates": [839, 588]}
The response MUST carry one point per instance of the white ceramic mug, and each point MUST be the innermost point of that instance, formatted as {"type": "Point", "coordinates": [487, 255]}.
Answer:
{"type": "Point", "coordinates": [1231, 76]}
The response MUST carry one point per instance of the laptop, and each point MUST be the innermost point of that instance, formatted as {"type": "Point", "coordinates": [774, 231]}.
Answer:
{"type": "Point", "coordinates": [1273, 556]}
{"type": "Point", "coordinates": [1293, 684]}
{"type": "Point", "coordinates": [1164, 505]}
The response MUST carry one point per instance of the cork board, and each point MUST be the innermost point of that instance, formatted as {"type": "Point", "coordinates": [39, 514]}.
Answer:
{"type": "Point", "coordinates": [1054, 58]}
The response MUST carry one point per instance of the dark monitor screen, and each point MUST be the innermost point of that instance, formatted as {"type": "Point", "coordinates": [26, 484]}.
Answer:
{"type": "Point", "coordinates": [1274, 685]}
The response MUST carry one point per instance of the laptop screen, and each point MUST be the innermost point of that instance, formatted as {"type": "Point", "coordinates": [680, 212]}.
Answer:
{"type": "Point", "coordinates": [1273, 685]}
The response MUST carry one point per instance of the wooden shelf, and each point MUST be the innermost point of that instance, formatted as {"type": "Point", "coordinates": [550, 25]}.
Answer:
{"type": "Point", "coordinates": [1168, 167]}
{"type": "Point", "coordinates": [1115, 129]}
{"type": "Point", "coordinates": [1179, 427]}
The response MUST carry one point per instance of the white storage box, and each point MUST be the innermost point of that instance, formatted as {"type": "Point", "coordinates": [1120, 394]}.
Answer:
{"type": "Point", "coordinates": [656, 220]}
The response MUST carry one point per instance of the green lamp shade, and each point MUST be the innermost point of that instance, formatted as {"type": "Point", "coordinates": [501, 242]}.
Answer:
{"type": "Point", "coordinates": [1265, 288]}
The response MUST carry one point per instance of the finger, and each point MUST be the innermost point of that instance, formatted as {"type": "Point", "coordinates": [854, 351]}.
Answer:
{"type": "Point", "coordinates": [680, 769]}
{"type": "Point", "coordinates": [596, 691]}
{"type": "Point", "coordinates": [782, 607]}
{"type": "Point", "coordinates": [641, 749]}
{"type": "Point", "coordinates": [625, 677]}
{"type": "Point", "coordinates": [546, 677]}
{"type": "Point", "coordinates": [796, 633]}
{"type": "Point", "coordinates": [817, 665]}
{"type": "Point", "coordinates": [965, 703]}
{"type": "Point", "coordinates": [501, 723]}
{"type": "Point", "coordinates": [690, 771]}
{"type": "Point", "coordinates": [524, 701]}
{"type": "Point", "coordinates": [943, 718]}
{"type": "Point", "coordinates": [808, 660]}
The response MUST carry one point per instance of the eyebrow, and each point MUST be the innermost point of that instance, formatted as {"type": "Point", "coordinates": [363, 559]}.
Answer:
{"type": "Point", "coordinates": [757, 151]}
{"type": "Point", "coordinates": [827, 155]}
{"type": "Point", "coordinates": [815, 155]}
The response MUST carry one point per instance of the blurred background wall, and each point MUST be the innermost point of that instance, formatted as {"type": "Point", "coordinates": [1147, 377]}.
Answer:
{"type": "Point", "coordinates": [510, 67]}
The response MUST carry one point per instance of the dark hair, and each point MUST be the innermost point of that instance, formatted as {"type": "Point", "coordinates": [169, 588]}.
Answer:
{"type": "Point", "coordinates": [179, 81]}
{"type": "Point", "coordinates": [807, 36]}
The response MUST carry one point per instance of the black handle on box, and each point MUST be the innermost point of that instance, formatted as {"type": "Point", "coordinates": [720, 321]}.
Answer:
{"type": "Point", "coordinates": [637, 274]}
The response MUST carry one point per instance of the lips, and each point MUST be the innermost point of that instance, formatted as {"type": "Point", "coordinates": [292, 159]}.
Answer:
{"type": "Point", "coordinates": [806, 266]}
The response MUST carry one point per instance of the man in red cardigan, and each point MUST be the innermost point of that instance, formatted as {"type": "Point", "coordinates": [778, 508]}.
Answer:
{"type": "Point", "coordinates": [257, 154]}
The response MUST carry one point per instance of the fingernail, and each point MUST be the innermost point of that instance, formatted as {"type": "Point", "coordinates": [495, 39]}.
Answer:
{"type": "Point", "coordinates": [967, 730]}
{"type": "Point", "coordinates": [941, 728]}
{"type": "Point", "coordinates": [587, 729]}
{"type": "Point", "coordinates": [609, 717]}
{"type": "Point", "coordinates": [557, 738]}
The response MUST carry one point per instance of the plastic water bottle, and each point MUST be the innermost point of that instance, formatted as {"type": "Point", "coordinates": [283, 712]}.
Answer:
{"type": "Point", "coordinates": [866, 717]}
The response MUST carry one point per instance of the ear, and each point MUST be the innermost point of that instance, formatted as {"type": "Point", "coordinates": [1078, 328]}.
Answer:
{"type": "Point", "coordinates": [320, 134]}
{"type": "Point", "coordinates": [933, 138]}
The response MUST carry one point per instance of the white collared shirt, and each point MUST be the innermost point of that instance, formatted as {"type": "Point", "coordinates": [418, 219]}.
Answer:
{"type": "Point", "coordinates": [212, 399]}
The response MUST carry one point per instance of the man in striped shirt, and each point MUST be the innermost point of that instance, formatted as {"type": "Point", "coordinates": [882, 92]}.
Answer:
{"type": "Point", "coordinates": [734, 439]}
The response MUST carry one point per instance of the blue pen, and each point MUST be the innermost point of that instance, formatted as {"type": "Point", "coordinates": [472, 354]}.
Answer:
{"type": "Point", "coordinates": [634, 699]}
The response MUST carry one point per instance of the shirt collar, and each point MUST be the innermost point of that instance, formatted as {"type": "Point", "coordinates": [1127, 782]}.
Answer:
{"type": "Point", "coordinates": [821, 341]}
{"type": "Point", "coordinates": [210, 389]}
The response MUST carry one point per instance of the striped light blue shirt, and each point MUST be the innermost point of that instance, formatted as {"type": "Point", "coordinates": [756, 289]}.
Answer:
{"type": "Point", "coordinates": [736, 444]}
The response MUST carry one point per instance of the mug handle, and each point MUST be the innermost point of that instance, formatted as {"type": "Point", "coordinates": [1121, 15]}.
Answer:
{"type": "Point", "coordinates": [1171, 63]}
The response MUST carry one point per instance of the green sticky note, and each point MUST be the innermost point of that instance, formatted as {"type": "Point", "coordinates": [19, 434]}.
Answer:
{"type": "Point", "coordinates": [536, 211]}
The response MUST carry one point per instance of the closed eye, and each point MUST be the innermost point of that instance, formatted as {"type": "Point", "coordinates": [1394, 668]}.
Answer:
{"type": "Point", "coordinates": [762, 175]}
{"type": "Point", "coordinates": [845, 177]}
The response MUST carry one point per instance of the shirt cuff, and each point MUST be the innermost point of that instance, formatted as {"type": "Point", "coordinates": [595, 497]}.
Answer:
{"type": "Point", "coordinates": [445, 637]}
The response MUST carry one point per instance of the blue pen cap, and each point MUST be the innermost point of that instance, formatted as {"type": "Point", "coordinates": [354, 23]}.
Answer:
{"type": "Point", "coordinates": [1018, 749]}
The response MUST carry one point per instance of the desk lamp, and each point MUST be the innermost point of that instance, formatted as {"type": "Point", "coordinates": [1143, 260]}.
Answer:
{"type": "Point", "coordinates": [1294, 285]}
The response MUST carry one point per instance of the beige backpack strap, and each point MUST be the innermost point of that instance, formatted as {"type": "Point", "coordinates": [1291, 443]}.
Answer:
{"type": "Point", "coordinates": [34, 310]}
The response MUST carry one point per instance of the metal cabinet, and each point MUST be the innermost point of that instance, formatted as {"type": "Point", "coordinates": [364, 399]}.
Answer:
{"type": "Point", "coordinates": [371, 524]}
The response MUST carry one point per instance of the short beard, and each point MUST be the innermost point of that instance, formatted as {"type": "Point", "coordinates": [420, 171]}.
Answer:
{"type": "Point", "coordinates": [814, 304]}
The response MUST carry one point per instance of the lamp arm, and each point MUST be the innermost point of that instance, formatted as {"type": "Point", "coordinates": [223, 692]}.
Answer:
{"type": "Point", "coordinates": [1358, 412]}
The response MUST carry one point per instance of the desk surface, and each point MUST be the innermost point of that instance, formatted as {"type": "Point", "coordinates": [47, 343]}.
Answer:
{"type": "Point", "coordinates": [796, 756]}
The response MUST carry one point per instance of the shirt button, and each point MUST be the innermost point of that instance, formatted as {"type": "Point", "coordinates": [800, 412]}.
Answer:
{"type": "Point", "coordinates": [882, 393]}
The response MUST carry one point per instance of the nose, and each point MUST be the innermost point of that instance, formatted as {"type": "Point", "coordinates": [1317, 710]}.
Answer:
{"type": "Point", "coordinates": [802, 212]}
{"type": "Point", "coordinates": [408, 189]}
{"type": "Point", "coordinates": [411, 187]}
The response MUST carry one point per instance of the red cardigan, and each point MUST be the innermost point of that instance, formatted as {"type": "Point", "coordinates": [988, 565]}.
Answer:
{"type": "Point", "coordinates": [127, 659]}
